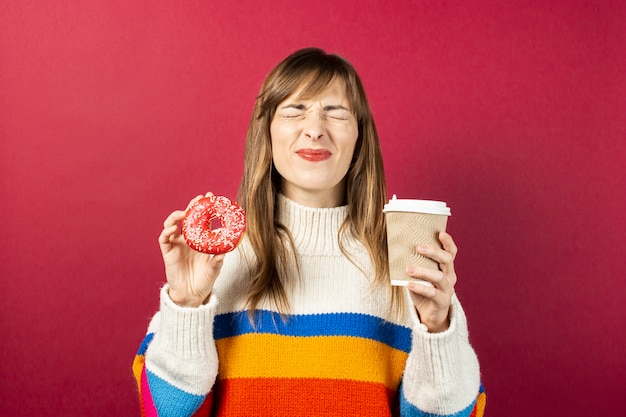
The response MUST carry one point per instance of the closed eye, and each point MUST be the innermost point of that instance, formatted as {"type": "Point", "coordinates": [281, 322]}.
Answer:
{"type": "Point", "coordinates": [291, 111]}
{"type": "Point", "coordinates": [337, 112]}
{"type": "Point", "coordinates": [291, 115]}
{"type": "Point", "coordinates": [339, 115]}
{"type": "Point", "coordinates": [295, 110]}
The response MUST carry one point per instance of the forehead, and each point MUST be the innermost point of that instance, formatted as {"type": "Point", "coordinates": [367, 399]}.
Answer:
{"type": "Point", "coordinates": [334, 90]}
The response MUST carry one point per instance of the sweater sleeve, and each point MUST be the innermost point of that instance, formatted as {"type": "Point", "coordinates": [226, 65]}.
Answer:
{"type": "Point", "coordinates": [442, 376]}
{"type": "Point", "coordinates": [176, 365]}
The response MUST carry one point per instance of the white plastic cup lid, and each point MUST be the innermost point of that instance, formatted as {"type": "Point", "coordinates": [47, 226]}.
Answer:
{"type": "Point", "coordinates": [417, 206]}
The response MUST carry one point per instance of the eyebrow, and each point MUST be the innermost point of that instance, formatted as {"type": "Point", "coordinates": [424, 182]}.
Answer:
{"type": "Point", "coordinates": [335, 107]}
{"type": "Point", "coordinates": [294, 106]}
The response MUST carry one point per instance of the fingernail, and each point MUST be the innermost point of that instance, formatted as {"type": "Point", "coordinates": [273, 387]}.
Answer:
{"type": "Point", "coordinates": [410, 270]}
{"type": "Point", "coordinates": [422, 248]}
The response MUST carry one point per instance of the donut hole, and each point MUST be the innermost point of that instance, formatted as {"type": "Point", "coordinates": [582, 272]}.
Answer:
{"type": "Point", "coordinates": [215, 223]}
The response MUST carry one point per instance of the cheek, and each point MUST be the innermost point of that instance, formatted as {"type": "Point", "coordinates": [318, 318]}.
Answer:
{"type": "Point", "coordinates": [280, 148]}
{"type": "Point", "coordinates": [349, 145]}
{"type": "Point", "coordinates": [281, 132]}
{"type": "Point", "coordinates": [275, 138]}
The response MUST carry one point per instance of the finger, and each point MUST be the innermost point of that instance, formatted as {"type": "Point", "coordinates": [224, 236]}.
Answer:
{"type": "Point", "coordinates": [448, 244]}
{"type": "Point", "coordinates": [446, 265]}
{"type": "Point", "coordinates": [216, 262]}
{"type": "Point", "coordinates": [167, 233]}
{"type": "Point", "coordinates": [441, 256]}
{"type": "Point", "coordinates": [165, 239]}
{"type": "Point", "coordinates": [194, 201]}
{"type": "Point", "coordinates": [435, 277]}
{"type": "Point", "coordinates": [174, 218]}
{"type": "Point", "coordinates": [422, 290]}
{"type": "Point", "coordinates": [419, 293]}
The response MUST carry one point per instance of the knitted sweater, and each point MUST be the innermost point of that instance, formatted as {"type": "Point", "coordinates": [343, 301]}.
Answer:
{"type": "Point", "coordinates": [338, 352]}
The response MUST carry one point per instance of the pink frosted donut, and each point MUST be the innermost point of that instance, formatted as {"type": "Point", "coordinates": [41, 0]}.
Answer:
{"type": "Point", "coordinates": [197, 229]}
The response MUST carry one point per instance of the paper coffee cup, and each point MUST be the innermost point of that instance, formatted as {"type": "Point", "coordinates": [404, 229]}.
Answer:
{"type": "Point", "coordinates": [411, 223]}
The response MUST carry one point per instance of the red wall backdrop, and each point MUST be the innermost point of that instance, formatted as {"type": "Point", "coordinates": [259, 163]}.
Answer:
{"type": "Point", "coordinates": [114, 113]}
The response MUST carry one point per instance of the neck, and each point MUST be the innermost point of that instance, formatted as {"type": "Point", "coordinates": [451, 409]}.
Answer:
{"type": "Point", "coordinates": [333, 197]}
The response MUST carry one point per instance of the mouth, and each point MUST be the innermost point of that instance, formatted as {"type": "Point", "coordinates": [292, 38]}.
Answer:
{"type": "Point", "coordinates": [314, 155]}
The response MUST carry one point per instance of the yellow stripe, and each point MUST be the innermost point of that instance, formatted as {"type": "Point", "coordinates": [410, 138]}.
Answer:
{"type": "Point", "coordinates": [333, 357]}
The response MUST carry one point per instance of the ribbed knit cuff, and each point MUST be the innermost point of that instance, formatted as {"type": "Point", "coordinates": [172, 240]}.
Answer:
{"type": "Point", "coordinates": [439, 350]}
{"type": "Point", "coordinates": [187, 332]}
{"type": "Point", "coordinates": [183, 352]}
{"type": "Point", "coordinates": [442, 374]}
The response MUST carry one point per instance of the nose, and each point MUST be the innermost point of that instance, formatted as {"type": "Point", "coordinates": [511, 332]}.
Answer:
{"type": "Point", "coordinates": [315, 128]}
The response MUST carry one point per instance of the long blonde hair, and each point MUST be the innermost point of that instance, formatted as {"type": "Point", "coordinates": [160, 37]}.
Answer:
{"type": "Point", "coordinates": [311, 70]}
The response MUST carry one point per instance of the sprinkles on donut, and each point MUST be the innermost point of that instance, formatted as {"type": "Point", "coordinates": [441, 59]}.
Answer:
{"type": "Point", "coordinates": [197, 229]}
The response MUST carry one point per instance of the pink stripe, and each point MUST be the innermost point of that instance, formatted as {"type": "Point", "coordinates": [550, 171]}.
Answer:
{"type": "Point", "coordinates": [146, 396]}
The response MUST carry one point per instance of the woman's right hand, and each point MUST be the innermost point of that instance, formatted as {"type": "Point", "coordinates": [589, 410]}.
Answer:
{"type": "Point", "coordinates": [190, 274]}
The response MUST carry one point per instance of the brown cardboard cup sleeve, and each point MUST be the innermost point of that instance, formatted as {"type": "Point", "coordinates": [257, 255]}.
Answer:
{"type": "Point", "coordinates": [411, 223]}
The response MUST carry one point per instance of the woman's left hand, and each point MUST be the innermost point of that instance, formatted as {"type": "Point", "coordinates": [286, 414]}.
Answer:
{"type": "Point", "coordinates": [433, 303]}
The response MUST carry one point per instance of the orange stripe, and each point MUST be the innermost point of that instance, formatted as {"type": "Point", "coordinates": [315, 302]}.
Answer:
{"type": "Point", "coordinates": [271, 397]}
{"type": "Point", "coordinates": [138, 364]}
{"type": "Point", "coordinates": [332, 357]}
{"type": "Point", "coordinates": [479, 408]}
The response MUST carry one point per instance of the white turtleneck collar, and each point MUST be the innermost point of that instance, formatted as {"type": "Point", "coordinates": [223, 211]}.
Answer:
{"type": "Point", "coordinates": [314, 230]}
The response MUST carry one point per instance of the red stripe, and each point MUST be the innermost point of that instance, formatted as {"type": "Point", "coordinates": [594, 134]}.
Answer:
{"type": "Point", "coordinates": [275, 397]}
{"type": "Point", "coordinates": [205, 408]}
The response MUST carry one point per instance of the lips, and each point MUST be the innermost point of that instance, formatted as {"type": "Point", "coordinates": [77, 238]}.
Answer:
{"type": "Point", "coordinates": [314, 155]}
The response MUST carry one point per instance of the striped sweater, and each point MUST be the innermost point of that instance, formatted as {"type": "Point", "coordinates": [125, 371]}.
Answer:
{"type": "Point", "coordinates": [339, 351]}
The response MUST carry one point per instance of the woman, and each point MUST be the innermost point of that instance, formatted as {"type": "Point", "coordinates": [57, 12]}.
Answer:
{"type": "Point", "coordinates": [301, 319]}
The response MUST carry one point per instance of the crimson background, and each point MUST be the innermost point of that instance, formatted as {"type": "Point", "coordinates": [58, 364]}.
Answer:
{"type": "Point", "coordinates": [114, 113]}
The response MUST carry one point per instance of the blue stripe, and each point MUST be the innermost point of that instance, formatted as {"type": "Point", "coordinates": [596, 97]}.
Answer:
{"type": "Point", "coordinates": [304, 325]}
{"type": "Point", "coordinates": [171, 401]}
{"type": "Point", "coordinates": [144, 344]}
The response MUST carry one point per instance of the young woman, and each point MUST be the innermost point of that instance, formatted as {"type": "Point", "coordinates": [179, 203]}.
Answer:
{"type": "Point", "coordinates": [300, 320]}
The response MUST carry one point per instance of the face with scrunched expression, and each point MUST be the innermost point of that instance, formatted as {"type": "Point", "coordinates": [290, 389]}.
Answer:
{"type": "Point", "coordinates": [313, 140]}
